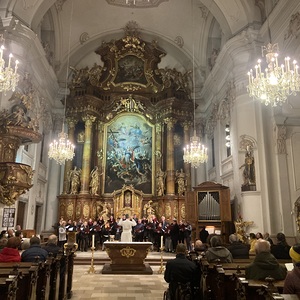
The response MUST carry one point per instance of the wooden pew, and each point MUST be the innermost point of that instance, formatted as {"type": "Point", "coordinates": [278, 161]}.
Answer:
{"type": "Point", "coordinates": [215, 278]}
{"type": "Point", "coordinates": [27, 283]}
{"type": "Point", "coordinates": [8, 287]}
{"type": "Point", "coordinates": [258, 289]}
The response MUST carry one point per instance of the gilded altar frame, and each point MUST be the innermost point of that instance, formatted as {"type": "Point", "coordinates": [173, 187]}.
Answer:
{"type": "Point", "coordinates": [127, 201]}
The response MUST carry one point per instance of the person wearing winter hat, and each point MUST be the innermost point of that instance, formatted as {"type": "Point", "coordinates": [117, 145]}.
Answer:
{"type": "Point", "coordinates": [292, 280]}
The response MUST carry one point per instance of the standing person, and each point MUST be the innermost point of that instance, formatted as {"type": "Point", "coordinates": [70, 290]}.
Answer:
{"type": "Point", "coordinates": [203, 235]}
{"type": "Point", "coordinates": [84, 236]}
{"type": "Point", "coordinates": [139, 231]}
{"type": "Point", "coordinates": [292, 280]}
{"type": "Point", "coordinates": [187, 235]}
{"type": "Point", "coordinates": [127, 224]}
{"type": "Point", "coordinates": [174, 233]}
{"type": "Point", "coordinates": [181, 271]}
{"type": "Point", "coordinates": [62, 234]}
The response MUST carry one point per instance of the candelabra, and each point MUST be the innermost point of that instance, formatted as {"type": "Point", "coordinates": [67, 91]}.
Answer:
{"type": "Point", "coordinates": [161, 268]}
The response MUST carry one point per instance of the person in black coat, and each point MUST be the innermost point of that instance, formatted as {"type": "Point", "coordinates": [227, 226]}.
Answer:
{"type": "Point", "coordinates": [237, 248]}
{"type": "Point", "coordinates": [281, 249]}
{"type": "Point", "coordinates": [51, 246]}
{"type": "Point", "coordinates": [34, 251]}
{"type": "Point", "coordinates": [181, 270]}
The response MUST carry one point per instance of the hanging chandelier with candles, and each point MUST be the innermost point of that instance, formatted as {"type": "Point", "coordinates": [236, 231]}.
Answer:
{"type": "Point", "coordinates": [194, 153]}
{"type": "Point", "coordinates": [62, 149]}
{"type": "Point", "coordinates": [9, 77]}
{"type": "Point", "coordinates": [278, 81]}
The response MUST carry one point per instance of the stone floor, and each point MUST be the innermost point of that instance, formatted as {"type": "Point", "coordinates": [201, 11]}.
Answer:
{"type": "Point", "coordinates": [117, 287]}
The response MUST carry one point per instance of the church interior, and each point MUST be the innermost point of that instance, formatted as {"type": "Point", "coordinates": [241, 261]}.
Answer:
{"type": "Point", "coordinates": [134, 85]}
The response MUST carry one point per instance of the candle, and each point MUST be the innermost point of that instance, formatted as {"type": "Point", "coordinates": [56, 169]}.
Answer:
{"type": "Point", "coordinates": [93, 241]}
{"type": "Point", "coordinates": [161, 241]}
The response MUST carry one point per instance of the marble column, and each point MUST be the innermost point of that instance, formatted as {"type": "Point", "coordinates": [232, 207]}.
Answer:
{"type": "Point", "coordinates": [170, 183]}
{"type": "Point", "coordinates": [86, 159]}
{"type": "Point", "coordinates": [186, 141]}
{"type": "Point", "coordinates": [69, 163]}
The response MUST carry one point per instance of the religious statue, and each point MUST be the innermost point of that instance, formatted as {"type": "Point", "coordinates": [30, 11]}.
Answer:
{"type": "Point", "coordinates": [160, 182]}
{"type": "Point", "coordinates": [74, 179]}
{"type": "Point", "coordinates": [249, 168]}
{"type": "Point", "coordinates": [180, 179]}
{"type": "Point", "coordinates": [105, 213]}
{"type": "Point", "coordinates": [240, 228]}
{"type": "Point", "coordinates": [95, 181]}
{"type": "Point", "coordinates": [148, 209]}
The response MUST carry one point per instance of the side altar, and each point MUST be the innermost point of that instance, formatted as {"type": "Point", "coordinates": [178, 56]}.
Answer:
{"type": "Point", "coordinates": [127, 258]}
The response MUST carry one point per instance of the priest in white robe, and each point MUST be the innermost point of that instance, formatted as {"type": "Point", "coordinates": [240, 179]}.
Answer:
{"type": "Point", "coordinates": [127, 224]}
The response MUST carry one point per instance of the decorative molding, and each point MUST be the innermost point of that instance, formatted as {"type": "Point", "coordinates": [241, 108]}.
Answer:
{"type": "Point", "coordinates": [294, 26]}
{"type": "Point", "coordinates": [136, 3]}
{"type": "Point", "coordinates": [84, 37]}
{"type": "Point", "coordinates": [179, 41]}
{"type": "Point", "coordinates": [280, 138]}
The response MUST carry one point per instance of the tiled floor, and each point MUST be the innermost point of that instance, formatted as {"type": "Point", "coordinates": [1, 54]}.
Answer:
{"type": "Point", "coordinates": [116, 287]}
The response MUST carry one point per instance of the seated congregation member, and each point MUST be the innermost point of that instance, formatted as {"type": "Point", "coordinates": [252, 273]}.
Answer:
{"type": "Point", "coordinates": [281, 249]}
{"type": "Point", "coordinates": [268, 238]}
{"type": "Point", "coordinates": [252, 242]}
{"type": "Point", "coordinates": [292, 280]}
{"type": "Point", "coordinates": [199, 247]}
{"type": "Point", "coordinates": [264, 264]}
{"type": "Point", "coordinates": [35, 250]}
{"type": "Point", "coordinates": [217, 251]}
{"type": "Point", "coordinates": [52, 246]}
{"type": "Point", "coordinates": [181, 271]}
{"type": "Point", "coordinates": [11, 253]}
{"type": "Point", "coordinates": [237, 248]}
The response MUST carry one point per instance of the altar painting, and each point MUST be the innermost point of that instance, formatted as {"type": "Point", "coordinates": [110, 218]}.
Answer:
{"type": "Point", "coordinates": [129, 154]}
{"type": "Point", "coordinates": [130, 69]}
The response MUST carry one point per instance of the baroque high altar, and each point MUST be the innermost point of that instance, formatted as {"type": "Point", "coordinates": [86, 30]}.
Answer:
{"type": "Point", "coordinates": [129, 121]}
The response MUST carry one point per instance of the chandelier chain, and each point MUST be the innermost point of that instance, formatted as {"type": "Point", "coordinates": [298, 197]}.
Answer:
{"type": "Point", "coordinates": [195, 153]}
{"type": "Point", "coordinates": [63, 150]}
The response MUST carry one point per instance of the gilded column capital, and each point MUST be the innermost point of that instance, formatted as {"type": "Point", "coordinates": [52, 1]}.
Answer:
{"type": "Point", "coordinates": [187, 125]}
{"type": "Point", "coordinates": [170, 122]}
{"type": "Point", "coordinates": [158, 127]}
{"type": "Point", "coordinates": [71, 122]}
{"type": "Point", "coordinates": [88, 119]}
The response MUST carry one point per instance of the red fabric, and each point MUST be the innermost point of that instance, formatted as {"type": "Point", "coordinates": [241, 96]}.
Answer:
{"type": "Point", "coordinates": [10, 255]}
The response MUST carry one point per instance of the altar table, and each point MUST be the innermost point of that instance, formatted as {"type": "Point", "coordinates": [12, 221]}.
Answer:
{"type": "Point", "coordinates": [127, 258]}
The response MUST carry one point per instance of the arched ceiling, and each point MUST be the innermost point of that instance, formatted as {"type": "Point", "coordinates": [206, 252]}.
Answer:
{"type": "Point", "coordinates": [180, 27]}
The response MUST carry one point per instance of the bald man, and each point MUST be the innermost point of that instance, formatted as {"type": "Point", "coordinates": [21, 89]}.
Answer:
{"type": "Point", "coordinates": [51, 246]}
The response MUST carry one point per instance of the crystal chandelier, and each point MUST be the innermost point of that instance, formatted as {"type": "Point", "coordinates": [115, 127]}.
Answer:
{"type": "Point", "coordinates": [277, 82]}
{"type": "Point", "coordinates": [9, 77]}
{"type": "Point", "coordinates": [195, 153]}
{"type": "Point", "coordinates": [63, 149]}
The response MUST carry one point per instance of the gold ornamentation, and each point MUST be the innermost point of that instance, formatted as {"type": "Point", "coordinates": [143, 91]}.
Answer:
{"type": "Point", "coordinates": [127, 252]}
